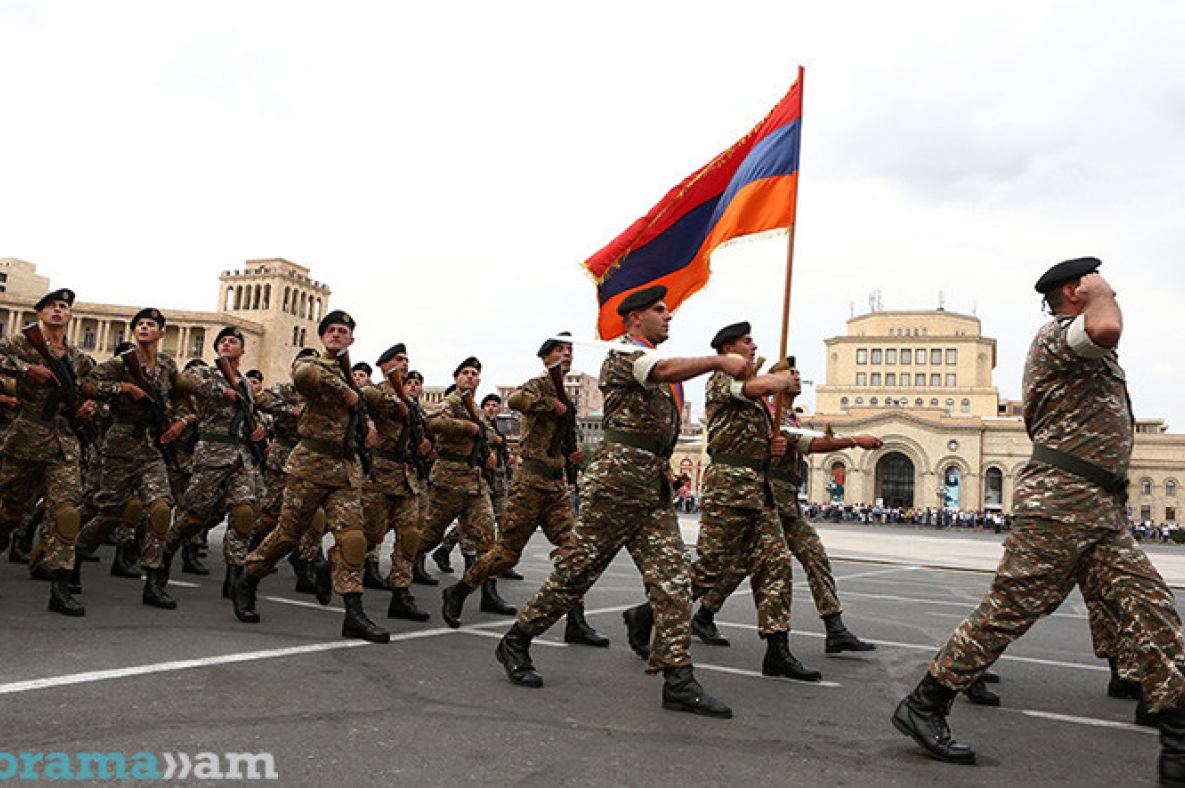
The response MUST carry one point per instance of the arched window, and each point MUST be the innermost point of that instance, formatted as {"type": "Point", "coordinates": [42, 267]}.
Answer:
{"type": "Point", "coordinates": [934, 402]}
{"type": "Point", "coordinates": [267, 296]}
{"type": "Point", "coordinates": [966, 406]}
{"type": "Point", "coordinates": [993, 489]}
{"type": "Point", "coordinates": [950, 405]}
{"type": "Point", "coordinates": [1170, 487]}
{"type": "Point", "coordinates": [917, 403]}
{"type": "Point", "coordinates": [1145, 487]}
{"type": "Point", "coordinates": [843, 402]}
{"type": "Point", "coordinates": [287, 298]}
{"type": "Point", "coordinates": [872, 402]}
{"type": "Point", "coordinates": [859, 401]}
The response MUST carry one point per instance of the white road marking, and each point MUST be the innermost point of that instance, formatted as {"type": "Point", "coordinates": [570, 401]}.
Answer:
{"type": "Point", "coordinates": [1091, 721]}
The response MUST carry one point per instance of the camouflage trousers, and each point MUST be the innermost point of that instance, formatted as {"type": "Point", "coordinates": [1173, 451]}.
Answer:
{"type": "Point", "coordinates": [123, 480]}
{"type": "Point", "coordinates": [457, 535]}
{"type": "Point", "coordinates": [1043, 559]}
{"type": "Point", "coordinates": [735, 542]}
{"type": "Point", "coordinates": [61, 480]}
{"type": "Point", "coordinates": [213, 492]}
{"type": "Point", "coordinates": [529, 507]}
{"type": "Point", "coordinates": [272, 503]}
{"type": "Point", "coordinates": [649, 530]}
{"type": "Point", "coordinates": [1105, 628]}
{"type": "Point", "coordinates": [474, 512]}
{"type": "Point", "coordinates": [398, 513]}
{"type": "Point", "coordinates": [343, 514]}
{"type": "Point", "coordinates": [806, 546]}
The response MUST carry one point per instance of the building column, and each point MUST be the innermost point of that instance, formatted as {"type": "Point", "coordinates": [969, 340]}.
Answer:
{"type": "Point", "coordinates": [183, 343]}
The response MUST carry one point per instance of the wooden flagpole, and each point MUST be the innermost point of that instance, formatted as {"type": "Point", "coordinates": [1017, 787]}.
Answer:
{"type": "Point", "coordinates": [778, 404]}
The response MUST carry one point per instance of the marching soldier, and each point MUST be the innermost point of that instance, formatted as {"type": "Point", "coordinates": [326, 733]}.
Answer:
{"type": "Point", "coordinates": [627, 503]}
{"type": "Point", "coordinates": [40, 449]}
{"type": "Point", "coordinates": [323, 472]}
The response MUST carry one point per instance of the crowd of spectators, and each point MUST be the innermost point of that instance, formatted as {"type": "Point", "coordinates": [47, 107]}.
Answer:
{"type": "Point", "coordinates": [930, 517]}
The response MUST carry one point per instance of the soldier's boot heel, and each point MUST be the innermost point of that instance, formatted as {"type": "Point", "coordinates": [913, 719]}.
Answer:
{"type": "Point", "coordinates": [979, 694]}
{"type": "Point", "coordinates": [922, 717]}
{"type": "Point", "coordinates": [442, 556]}
{"type": "Point", "coordinates": [403, 605]}
{"type": "Point", "coordinates": [419, 573]}
{"type": "Point", "coordinates": [242, 596]}
{"type": "Point", "coordinates": [840, 639]}
{"type": "Point", "coordinates": [491, 602]}
{"type": "Point", "coordinates": [124, 563]}
{"type": "Point", "coordinates": [514, 652]}
{"type": "Point", "coordinates": [357, 625]}
{"type": "Point", "coordinates": [190, 563]}
{"type": "Point", "coordinates": [579, 631]}
{"type": "Point", "coordinates": [60, 600]}
{"type": "Point", "coordinates": [372, 578]}
{"type": "Point", "coordinates": [681, 692]}
{"type": "Point", "coordinates": [639, 623]}
{"type": "Point", "coordinates": [454, 603]}
{"type": "Point", "coordinates": [154, 591]}
{"type": "Point", "coordinates": [780, 662]}
{"type": "Point", "coordinates": [703, 626]}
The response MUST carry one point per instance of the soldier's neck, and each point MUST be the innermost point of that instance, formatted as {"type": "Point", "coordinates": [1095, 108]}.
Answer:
{"type": "Point", "coordinates": [147, 353]}
{"type": "Point", "coordinates": [55, 336]}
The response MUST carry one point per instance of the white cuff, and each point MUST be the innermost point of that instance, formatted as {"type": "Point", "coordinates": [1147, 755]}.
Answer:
{"type": "Point", "coordinates": [643, 364]}
{"type": "Point", "coordinates": [1080, 342]}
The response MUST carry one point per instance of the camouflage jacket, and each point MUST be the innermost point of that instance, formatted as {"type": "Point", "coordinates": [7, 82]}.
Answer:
{"type": "Point", "coordinates": [31, 437]}
{"type": "Point", "coordinates": [647, 409]}
{"type": "Point", "coordinates": [536, 400]}
{"type": "Point", "coordinates": [454, 446]}
{"type": "Point", "coordinates": [392, 474]}
{"type": "Point", "coordinates": [219, 441]}
{"type": "Point", "coordinates": [1078, 405]}
{"type": "Point", "coordinates": [739, 430]}
{"type": "Point", "coordinates": [320, 455]}
{"type": "Point", "coordinates": [280, 402]}
{"type": "Point", "coordinates": [128, 436]}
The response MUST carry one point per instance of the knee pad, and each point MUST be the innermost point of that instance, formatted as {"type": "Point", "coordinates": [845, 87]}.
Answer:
{"type": "Point", "coordinates": [409, 543]}
{"type": "Point", "coordinates": [160, 517]}
{"type": "Point", "coordinates": [66, 522]}
{"type": "Point", "coordinates": [242, 519]}
{"type": "Point", "coordinates": [319, 521]}
{"type": "Point", "coordinates": [353, 549]}
{"type": "Point", "coordinates": [133, 511]}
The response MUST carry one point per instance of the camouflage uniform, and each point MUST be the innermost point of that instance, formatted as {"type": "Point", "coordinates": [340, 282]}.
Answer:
{"type": "Point", "coordinates": [131, 466]}
{"type": "Point", "coordinates": [627, 503]}
{"type": "Point", "coordinates": [539, 495]}
{"type": "Point", "coordinates": [225, 477]}
{"type": "Point", "coordinates": [391, 500]}
{"type": "Point", "coordinates": [458, 488]}
{"type": "Point", "coordinates": [1068, 527]}
{"type": "Point", "coordinates": [321, 474]}
{"type": "Point", "coordinates": [739, 531]}
{"type": "Point", "coordinates": [41, 452]}
{"type": "Point", "coordinates": [281, 402]}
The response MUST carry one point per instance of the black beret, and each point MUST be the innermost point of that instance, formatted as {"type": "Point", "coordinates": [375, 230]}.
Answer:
{"type": "Point", "coordinates": [391, 353]}
{"type": "Point", "coordinates": [1065, 271]}
{"type": "Point", "coordinates": [362, 365]}
{"type": "Point", "coordinates": [413, 375]}
{"type": "Point", "coordinates": [729, 334]}
{"type": "Point", "coordinates": [641, 299]}
{"type": "Point", "coordinates": [305, 352]}
{"type": "Point", "coordinates": [61, 294]}
{"type": "Point", "coordinates": [336, 317]}
{"type": "Point", "coordinates": [551, 344]}
{"type": "Point", "coordinates": [254, 374]}
{"type": "Point", "coordinates": [195, 362]}
{"type": "Point", "coordinates": [230, 331]}
{"type": "Point", "coordinates": [469, 362]}
{"type": "Point", "coordinates": [148, 313]}
{"type": "Point", "coordinates": [490, 398]}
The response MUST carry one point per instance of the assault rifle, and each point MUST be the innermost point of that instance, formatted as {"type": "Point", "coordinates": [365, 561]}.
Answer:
{"type": "Point", "coordinates": [417, 427]}
{"type": "Point", "coordinates": [563, 442]}
{"type": "Point", "coordinates": [245, 419]}
{"type": "Point", "coordinates": [481, 447]}
{"type": "Point", "coordinates": [359, 426]}
{"type": "Point", "coordinates": [158, 409]}
{"type": "Point", "coordinates": [67, 387]}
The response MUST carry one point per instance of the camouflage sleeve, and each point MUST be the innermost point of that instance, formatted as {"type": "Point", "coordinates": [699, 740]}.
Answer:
{"type": "Point", "coordinates": [374, 398]}
{"type": "Point", "coordinates": [532, 397]}
{"type": "Point", "coordinates": [104, 382]}
{"type": "Point", "coordinates": [316, 379]}
{"type": "Point", "coordinates": [273, 402]}
{"type": "Point", "coordinates": [83, 363]}
{"type": "Point", "coordinates": [206, 383]}
{"type": "Point", "coordinates": [444, 421]}
{"type": "Point", "coordinates": [10, 360]}
{"type": "Point", "coordinates": [719, 389]}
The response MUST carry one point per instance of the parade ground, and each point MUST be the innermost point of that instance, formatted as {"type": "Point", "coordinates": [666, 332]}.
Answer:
{"type": "Point", "coordinates": [185, 689]}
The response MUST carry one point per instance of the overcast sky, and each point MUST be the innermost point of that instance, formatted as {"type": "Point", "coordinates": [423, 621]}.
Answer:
{"type": "Point", "coordinates": [446, 167]}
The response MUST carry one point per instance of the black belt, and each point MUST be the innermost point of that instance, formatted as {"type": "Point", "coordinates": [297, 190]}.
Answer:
{"type": "Point", "coordinates": [739, 461]}
{"type": "Point", "coordinates": [36, 418]}
{"type": "Point", "coordinates": [328, 448]}
{"type": "Point", "coordinates": [543, 469]}
{"type": "Point", "coordinates": [220, 437]}
{"type": "Point", "coordinates": [639, 441]}
{"type": "Point", "coordinates": [1112, 483]}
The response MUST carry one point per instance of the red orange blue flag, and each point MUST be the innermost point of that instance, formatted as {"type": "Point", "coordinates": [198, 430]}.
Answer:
{"type": "Point", "coordinates": [750, 188]}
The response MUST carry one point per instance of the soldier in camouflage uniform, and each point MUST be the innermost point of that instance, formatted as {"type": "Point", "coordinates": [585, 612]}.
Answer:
{"type": "Point", "coordinates": [132, 466]}
{"type": "Point", "coordinates": [40, 449]}
{"type": "Point", "coordinates": [226, 477]}
{"type": "Point", "coordinates": [324, 472]}
{"type": "Point", "coordinates": [390, 500]}
{"type": "Point", "coordinates": [459, 488]}
{"type": "Point", "coordinates": [1070, 521]}
{"type": "Point", "coordinates": [784, 477]}
{"type": "Point", "coordinates": [627, 503]}
{"type": "Point", "coordinates": [538, 495]}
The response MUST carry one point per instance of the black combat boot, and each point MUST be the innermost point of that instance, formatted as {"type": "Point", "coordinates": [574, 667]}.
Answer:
{"type": "Point", "coordinates": [639, 625]}
{"type": "Point", "coordinates": [357, 625]}
{"type": "Point", "coordinates": [443, 558]}
{"type": "Point", "coordinates": [419, 573]}
{"type": "Point", "coordinates": [76, 576]}
{"type": "Point", "coordinates": [1119, 687]}
{"type": "Point", "coordinates": [703, 626]}
{"type": "Point", "coordinates": [514, 652]}
{"type": "Point", "coordinates": [780, 662]}
{"type": "Point", "coordinates": [681, 692]}
{"type": "Point", "coordinates": [579, 631]}
{"type": "Point", "coordinates": [979, 694]}
{"type": "Point", "coordinates": [190, 563]}
{"type": "Point", "coordinates": [18, 548]}
{"type": "Point", "coordinates": [124, 562]}
{"type": "Point", "coordinates": [510, 574]}
{"type": "Point", "coordinates": [403, 605]}
{"type": "Point", "coordinates": [229, 579]}
{"type": "Point", "coordinates": [60, 600]}
{"type": "Point", "coordinates": [491, 602]}
{"type": "Point", "coordinates": [1172, 746]}
{"type": "Point", "coordinates": [154, 590]}
{"type": "Point", "coordinates": [323, 581]}
{"type": "Point", "coordinates": [371, 577]}
{"type": "Point", "coordinates": [454, 603]}
{"type": "Point", "coordinates": [1144, 718]}
{"type": "Point", "coordinates": [839, 638]}
{"type": "Point", "coordinates": [922, 717]}
{"type": "Point", "coordinates": [242, 596]}
{"type": "Point", "coordinates": [990, 676]}
{"type": "Point", "coordinates": [306, 582]}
